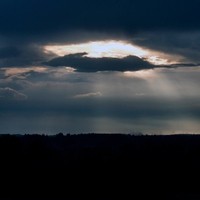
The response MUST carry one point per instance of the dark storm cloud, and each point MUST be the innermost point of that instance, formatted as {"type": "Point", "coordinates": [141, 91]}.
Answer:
{"type": "Point", "coordinates": [8, 52]}
{"type": "Point", "coordinates": [36, 16]}
{"type": "Point", "coordinates": [27, 25]}
{"type": "Point", "coordinates": [22, 55]}
{"type": "Point", "coordinates": [85, 64]}
{"type": "Point", "coordinates": [185, 44]}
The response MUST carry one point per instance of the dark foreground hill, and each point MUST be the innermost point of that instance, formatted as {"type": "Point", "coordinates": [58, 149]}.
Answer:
{"type": "Point", "coordinates": [100, 167]}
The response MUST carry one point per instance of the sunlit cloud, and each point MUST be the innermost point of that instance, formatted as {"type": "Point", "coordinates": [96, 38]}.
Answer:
{"type": "Point", "coordinates": [142, 74]}
{"type": "Point", "coordinates": [88, 95]}
{"type": "Point", "coordinates": [70, 69]}
{"type": "Point", "coordinates": [158, 60]}
{"type": "Point", "coordinates": [99, 49]}
{"type": "Point", "coordinates": [112, 49]}
{"type": "Point", "coordinates": [61, 72]}
{"type": "Point", "coordinates": [17, 71]}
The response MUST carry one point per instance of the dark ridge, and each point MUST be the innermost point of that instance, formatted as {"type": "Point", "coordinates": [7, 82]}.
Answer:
{"type": "Point", "coordinates": [100, 166]}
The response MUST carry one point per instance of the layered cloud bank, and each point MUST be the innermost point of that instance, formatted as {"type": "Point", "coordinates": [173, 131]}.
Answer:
{"type": "Point", "coordinates": [113, 66]}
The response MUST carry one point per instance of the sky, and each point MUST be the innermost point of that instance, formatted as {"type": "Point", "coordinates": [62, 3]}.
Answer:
{"type": "Point", "coordinates": [114, 66]}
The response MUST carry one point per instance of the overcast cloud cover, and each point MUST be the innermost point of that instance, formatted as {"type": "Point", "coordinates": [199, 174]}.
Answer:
{"type": "Point", "coordinates": [43, 92]}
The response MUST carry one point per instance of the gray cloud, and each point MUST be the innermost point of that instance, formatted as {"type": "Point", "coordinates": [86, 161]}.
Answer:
{"type": "Point", "coordinates": [171, 102]}
{"type": "Point", "coordinates": [11, 94]}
